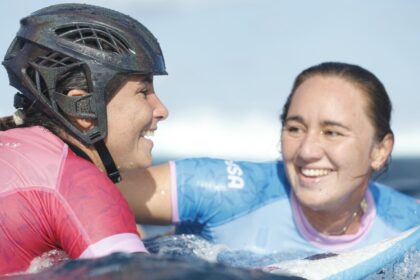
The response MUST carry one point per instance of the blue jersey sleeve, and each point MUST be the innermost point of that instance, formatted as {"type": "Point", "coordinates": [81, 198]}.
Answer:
{"type": "Point", "coordinates": [215, 191]}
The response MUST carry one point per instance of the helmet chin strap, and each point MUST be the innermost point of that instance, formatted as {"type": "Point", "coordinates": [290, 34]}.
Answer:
{"type": "Point", "coordinates": [108, 162]}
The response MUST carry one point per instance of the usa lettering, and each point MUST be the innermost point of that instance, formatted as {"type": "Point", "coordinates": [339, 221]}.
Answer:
{"type": "Point", "coordinates": [235, 180]}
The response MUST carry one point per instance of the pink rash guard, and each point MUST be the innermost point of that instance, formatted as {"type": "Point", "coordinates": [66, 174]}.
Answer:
{"type": "Point", "coordinates": [52, 199]}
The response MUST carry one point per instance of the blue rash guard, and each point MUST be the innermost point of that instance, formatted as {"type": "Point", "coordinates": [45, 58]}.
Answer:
{"type": "Point", "coordinates": [249, 206]}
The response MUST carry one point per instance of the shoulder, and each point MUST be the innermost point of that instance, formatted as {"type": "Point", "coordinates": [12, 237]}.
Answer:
{"type": "Point", "coordinates": [386, 194]}
{"type": "Point", "coordinates": [80, 177]}
{"type": "Point", "coordinates": [220, 174]}
{"type": "Point", "coordinates": [35, 143]}
{"type": "Point", "coordinates": [30, 136]}
{"type": "Point", "coordinates": [91, 203]}
{"type": "Point", "coordinates": [31, 157]}
{"type": "Point", "coordinates": [398, 210]}
{"type": "Point", "coordinates": [217, 190]}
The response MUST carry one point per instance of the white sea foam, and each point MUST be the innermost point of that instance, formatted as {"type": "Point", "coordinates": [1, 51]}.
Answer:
{"type": "Point", "coordinates": [251, 137]}
{"type": "Point", "coordinates": [47, 260]}
{"type": "Point", "coordinates": [409, 268]}
{"type": "Point", "coordinates": [185, 245]}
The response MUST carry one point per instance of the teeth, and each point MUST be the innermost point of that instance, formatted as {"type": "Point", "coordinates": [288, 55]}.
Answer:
{"type": "Point", "coordinates": [148, 133]}
{"type": "Point", "coordinates": [315, 172]}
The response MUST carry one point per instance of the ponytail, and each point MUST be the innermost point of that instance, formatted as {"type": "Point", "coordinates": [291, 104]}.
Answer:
{"type": "Point", "coordinates": [7, 123]}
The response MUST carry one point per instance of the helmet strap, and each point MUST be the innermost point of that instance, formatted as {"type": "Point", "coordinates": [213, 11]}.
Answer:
{"type": "Point", "coordinates": [108, 162]}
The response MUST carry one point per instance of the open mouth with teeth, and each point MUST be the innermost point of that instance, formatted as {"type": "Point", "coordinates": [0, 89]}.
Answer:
{"type": "Point", "coordinates": [312, 172]}
{"type": "Point", "coordinates": [148, 134]}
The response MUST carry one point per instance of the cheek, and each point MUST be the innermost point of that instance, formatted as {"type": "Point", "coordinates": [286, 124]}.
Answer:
{"type": "Point", "coordinates": [353, 158]}
{"type": "Point", "coordinates": [139, 121]}
{"type": "Point", "coordinates": [129, 117]}
{"type": "Point", "coordinates": [119, 125]}
{"type": "Point", "coordinates": [122, 130]}
{"type": "Point", "coordinates": [288, 147]}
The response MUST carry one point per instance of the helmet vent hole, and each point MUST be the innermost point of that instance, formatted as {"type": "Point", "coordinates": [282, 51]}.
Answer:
{"type": "Point", "coordinates": [37, 81]}
{"type": "Point", "coordinates": [51, 60]}
{"type": "Point", "coordinates": [94, 36]}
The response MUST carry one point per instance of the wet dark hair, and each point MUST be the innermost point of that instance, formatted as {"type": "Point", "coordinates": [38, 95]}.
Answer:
{"type": "Point", "coordinates": [379, 105]}
{"type": "Point", "coordinates": [33, 116]}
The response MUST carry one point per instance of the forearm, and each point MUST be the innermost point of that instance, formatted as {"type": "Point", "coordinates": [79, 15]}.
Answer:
{"type": "Point", "coordinates": [148, 192]}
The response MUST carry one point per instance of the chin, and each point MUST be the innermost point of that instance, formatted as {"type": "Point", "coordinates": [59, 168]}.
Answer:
{"type": "Point", "coordinates": [320, 205]}
{"type": "Point", "coordinates": [312, 201]}
{"type": "Point", "coordinates": [146, 162]}
{"type": "Point", "coordinates": [134, 165]}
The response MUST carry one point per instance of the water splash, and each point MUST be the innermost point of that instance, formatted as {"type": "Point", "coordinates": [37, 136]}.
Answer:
{"type": "Point", "coordinates": [47, 260]}
{"type": "Point", "coordinates": [408, 268]}
{"type": "Point", "coordinates": [189, 255]}
{"type": "Point", "coordinates": [194, 247]}
{"type": "Point", "coordinates": [184, 245]}
{"type": "Point", "coordinates": [144, 266]}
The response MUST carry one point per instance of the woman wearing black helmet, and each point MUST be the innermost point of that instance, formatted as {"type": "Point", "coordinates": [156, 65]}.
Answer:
{"type": "Point", "coordinates": [85, 107]}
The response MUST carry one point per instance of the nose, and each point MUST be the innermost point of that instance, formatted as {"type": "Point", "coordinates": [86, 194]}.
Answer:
{"type": "Point", "coordinates": [160, 111]}
{"type": "Point", "coordinates": [311, 148]}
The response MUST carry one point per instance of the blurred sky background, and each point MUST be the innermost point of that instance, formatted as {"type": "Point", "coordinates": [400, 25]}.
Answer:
{"type": "Point", "coordinates": [231, 64]}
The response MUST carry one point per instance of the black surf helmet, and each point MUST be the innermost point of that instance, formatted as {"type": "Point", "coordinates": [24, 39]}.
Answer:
{"type": "Point", "coordinates": [103, 43]}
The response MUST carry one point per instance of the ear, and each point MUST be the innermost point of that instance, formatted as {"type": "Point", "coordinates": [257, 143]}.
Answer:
{"type": "Point", "coordinates": [83, 123]}
{"type": "Point", "coordinates": [381, 152]}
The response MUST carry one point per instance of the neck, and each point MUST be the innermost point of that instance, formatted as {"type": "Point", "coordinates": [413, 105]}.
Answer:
{"type": "Point", "coordinates": [90, 151]}
{"type": "Point", "coordinates": [339, 220]}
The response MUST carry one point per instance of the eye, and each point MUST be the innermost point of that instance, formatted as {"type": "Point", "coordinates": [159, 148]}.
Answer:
{"type": "Point", "coordinates": [294, 130]}
{"type": "Point", "coordinates": [143, 92]}
{"type": "Point", "coordinates": [331, 133]}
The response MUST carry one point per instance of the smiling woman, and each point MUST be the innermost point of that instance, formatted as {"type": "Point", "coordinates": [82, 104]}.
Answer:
{"type": "Point", "coordinates": [133, 114]}
{"type": "Point", "coordinates": [331, 146]}
{"type": "Point", "coordinates": [86, 102]}
{"type": "Point", "coordinates": [320, 199]}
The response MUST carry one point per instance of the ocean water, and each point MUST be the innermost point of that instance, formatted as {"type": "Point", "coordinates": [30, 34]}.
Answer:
{"type": "Point", "coordinates": [140, 266]}
{"type": "Point", "coordinates": [191, 257]}
{"type": "Point", "coordinates": [407, 268]}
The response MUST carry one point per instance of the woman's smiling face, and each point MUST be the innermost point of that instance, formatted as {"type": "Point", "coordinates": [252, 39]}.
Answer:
{"type": "Point", "coordinates": [133, 114]}
{"type": "Point", "coordinates": [328, 142]}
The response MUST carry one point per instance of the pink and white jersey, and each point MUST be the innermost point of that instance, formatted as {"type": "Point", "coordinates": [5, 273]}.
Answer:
{"type": "Point", "coordinates": [52, 199]}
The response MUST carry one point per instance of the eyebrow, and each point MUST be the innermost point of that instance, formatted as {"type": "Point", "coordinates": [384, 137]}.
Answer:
{"type": "Point", "coordinates": [333, 123]}
{"type": "Point", "coordinates": [324, 123]}
{"type": "Point", "coordinates": [294, 118]}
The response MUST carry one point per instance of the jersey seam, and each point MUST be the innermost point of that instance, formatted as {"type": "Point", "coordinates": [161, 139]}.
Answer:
{"type": "Point", "coordinates": [66, 206]}
{"type": "Point", "coordinates": [63, 158]}
{"type": "Point", "coordinates": [60, 198]}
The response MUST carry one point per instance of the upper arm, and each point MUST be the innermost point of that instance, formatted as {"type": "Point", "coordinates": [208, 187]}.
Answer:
{"type": "Point", "coordinates": [148, 192]}
{"type": "Point", "coordinates": [90, 210]}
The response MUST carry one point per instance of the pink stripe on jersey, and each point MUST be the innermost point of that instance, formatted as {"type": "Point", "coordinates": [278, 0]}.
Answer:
{"type": "Point", "coordinates": [174, 193]}
{"type": "Point", "coordinates": [123, 242]}
{"type": "Point", "coordinates": [334, 243]}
